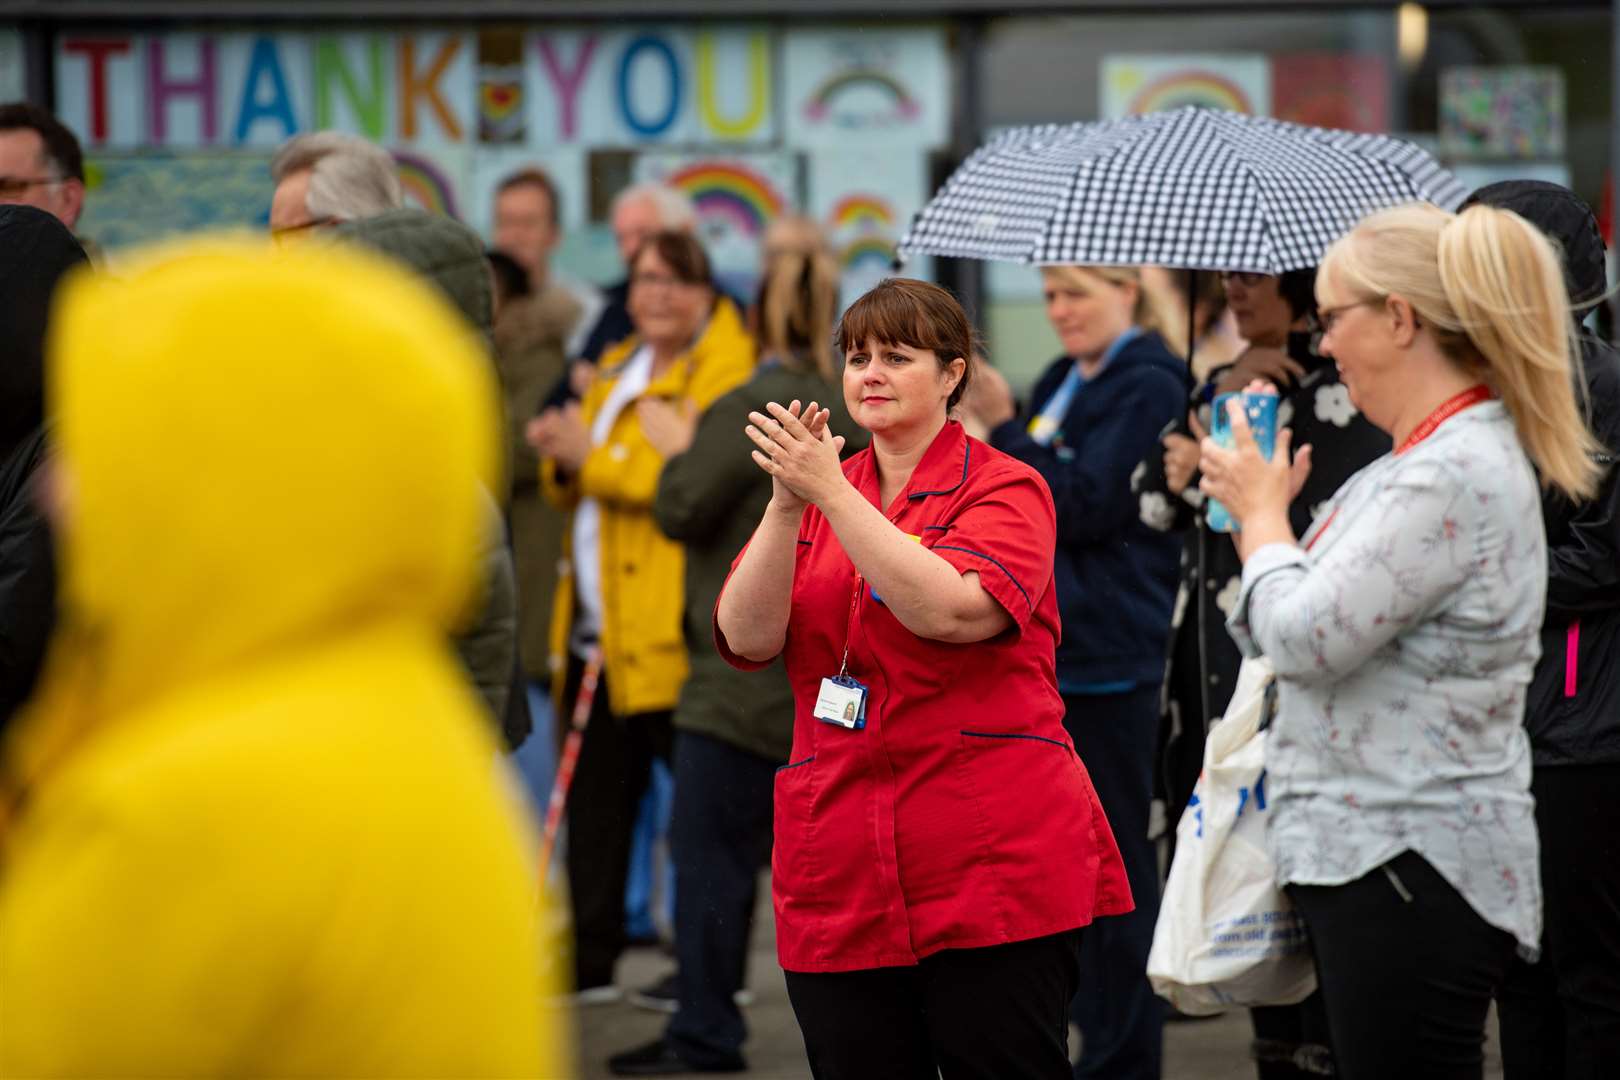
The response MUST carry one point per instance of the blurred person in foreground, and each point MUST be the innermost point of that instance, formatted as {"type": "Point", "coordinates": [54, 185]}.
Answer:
{"type": "Point", "coordinates": [253, 823]}
{"type": "Point", "coordinates": [1277, 316]}
{"type": "Point", "coordinates": [1094, 413]}
{"type": "Point", "coordinates": [938, 844]}
{"type": "Point", "coordinates": [1404, 628]}
{"type": "Point", "coordinates": [41, 164]}
{"type": "Point", "coordinates": [36, 250]}
{"type": "Point", "coordinates": [1561, 1017]}
{"type": "Point", "coordinates": [733, 728]}
{"type": "Point", "coordinates": [621, 596]}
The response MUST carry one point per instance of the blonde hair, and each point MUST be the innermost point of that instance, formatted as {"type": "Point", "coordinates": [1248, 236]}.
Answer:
{"type": "Point", "coordinates": [798, 302]}
{"type": "Point", "coordinates": [1150, 311]}
{"type": "Point", "coordinates": [1489, 286]}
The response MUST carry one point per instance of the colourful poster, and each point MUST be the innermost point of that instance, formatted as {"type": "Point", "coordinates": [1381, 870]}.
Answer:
{"type": "Point", "coordinates": [1154, 82]}
{"type": "Point", "coordinates": [434, 179]}
{"type": "Point", "coordinates": [1349, 91]}
{"type": "Point", "coordinates": [736, 197]}
{"type": "Point", "coordinates": [858, 86]}
{"type": "Point", "coordinates": [132, 199]}
{"type": "Point", "coordinates": [502, 112]}
{"type": "Point", "coordinates": [626, 86]}
{"type": "Point", "coordinates": [865, 202]}
{"type": "Point", "coordinates": [1502, 112]}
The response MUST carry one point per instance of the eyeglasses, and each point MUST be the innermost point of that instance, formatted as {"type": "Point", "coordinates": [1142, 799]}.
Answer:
{"type": "Point", "coordinates": [11, 186]}
{"type": "Point", "coordinates": [1329, 316]}
{"type": "Point", "coordinates": [284, 231]}
{"type": "Point", "coordinates": [1247, 278]}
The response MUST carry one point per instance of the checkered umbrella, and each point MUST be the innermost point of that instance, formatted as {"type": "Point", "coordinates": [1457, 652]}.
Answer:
{"type": "Point", "coordinates": [1192, 188]}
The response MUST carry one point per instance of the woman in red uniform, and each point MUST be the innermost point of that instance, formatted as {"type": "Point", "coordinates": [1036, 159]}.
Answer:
{"type": "Point", "coordinates": [938, 843]}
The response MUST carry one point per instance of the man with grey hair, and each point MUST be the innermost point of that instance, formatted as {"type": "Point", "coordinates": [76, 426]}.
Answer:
{"type": "Point", "coordinates": [330, 179]}
{"type": "Point", "coordinates": [638, 212]}
{"type": "Point", "coordinates": [324, 177]}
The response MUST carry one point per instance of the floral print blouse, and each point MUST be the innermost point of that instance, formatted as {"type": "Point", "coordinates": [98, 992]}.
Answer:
{"type": "Point", "coordinates": [1404, 633]}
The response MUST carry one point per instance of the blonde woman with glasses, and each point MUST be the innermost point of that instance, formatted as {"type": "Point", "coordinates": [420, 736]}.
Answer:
{"type": "Point", "coordinates": [1404, 627]}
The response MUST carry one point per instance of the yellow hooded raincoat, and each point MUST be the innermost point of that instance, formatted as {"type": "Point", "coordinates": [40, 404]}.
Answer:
{"type": "Point", "coordinates": [643, 571]}
{"type": "Point", "coordinates": [256, 822]}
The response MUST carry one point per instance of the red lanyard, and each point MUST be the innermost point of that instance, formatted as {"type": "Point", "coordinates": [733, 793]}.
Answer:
{"type": "Point", "coordinates": [1325, 525]}
{"type": "Point", "coordinates": [849, 627]}
{"type": "Point", "coordinates": [1466, 399]}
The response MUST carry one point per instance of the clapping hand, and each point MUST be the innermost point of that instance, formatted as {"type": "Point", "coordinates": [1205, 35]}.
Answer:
{"type": "Point", "coordinates": [800, 454]}
{"type": "Point", "coordinates": [560, 434]}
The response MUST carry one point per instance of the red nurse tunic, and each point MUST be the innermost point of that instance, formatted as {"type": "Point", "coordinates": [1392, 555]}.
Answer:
{"type": "Point", "coordinates": [960, 816]}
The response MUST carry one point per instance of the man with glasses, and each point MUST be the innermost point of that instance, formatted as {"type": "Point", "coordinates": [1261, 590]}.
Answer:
{"type": "Point", "coordinates": [325, 177]}
{"type": "Point", "coordinates": [41, 164]}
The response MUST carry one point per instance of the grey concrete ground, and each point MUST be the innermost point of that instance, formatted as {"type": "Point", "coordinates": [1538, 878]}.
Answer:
{"type": "Point", "coordinates": [1214, 1049]}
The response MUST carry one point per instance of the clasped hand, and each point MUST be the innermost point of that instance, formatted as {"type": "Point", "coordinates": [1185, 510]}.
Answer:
{"type": "Point", "coordinates": [800, 454]}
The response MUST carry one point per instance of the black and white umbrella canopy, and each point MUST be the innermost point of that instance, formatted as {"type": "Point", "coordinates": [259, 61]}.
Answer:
{"type": "Point", "coordinates": [1193, 188]}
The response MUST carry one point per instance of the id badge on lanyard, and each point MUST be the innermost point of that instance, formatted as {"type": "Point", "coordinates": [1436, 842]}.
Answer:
{"type": "Point", "coordinates": [842, 698]}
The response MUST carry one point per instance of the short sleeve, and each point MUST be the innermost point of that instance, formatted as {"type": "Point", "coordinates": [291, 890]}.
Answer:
{"type": "Point", "coordinates": [1008, 536]}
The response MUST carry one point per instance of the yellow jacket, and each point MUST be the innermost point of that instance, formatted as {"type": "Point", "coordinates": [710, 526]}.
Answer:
{"type": "Point", "coordinates": [643, 571]}
{"type": "Point", "coordinates": [258, 826]}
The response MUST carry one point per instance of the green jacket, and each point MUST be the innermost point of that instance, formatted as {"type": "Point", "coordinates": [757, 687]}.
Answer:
{"type": "Point", "coordinates": [710, 499]}
{"type": "Point", "coordinates": [451, 256]}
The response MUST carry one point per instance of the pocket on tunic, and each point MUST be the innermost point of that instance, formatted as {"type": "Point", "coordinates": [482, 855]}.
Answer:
{"type": "Point", "coordinates": [1033, 812]}
{"type": "Point", "coordinates": [791, 805]}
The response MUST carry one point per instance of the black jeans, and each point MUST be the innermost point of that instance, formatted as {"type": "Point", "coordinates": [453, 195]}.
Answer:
{"type": "Point", "coordinates": [615, 761]}
{"type": "Point", "coordinates": [1407, 970]}
{"type": "Point", "coordinates": [1121, 1020]}
{"type": "Point", "coordinates": [999, 1013]}
{"type": "Point", "coordinates": [720, 831]}
{"type": "Point", "coordinates": [1561, 1017]}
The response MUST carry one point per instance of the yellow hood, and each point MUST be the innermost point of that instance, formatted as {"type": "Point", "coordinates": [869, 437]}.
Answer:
{"type": "Point", "coordinates": [265, 832]}
{"type": "Point", "coordinates": [356, 415]}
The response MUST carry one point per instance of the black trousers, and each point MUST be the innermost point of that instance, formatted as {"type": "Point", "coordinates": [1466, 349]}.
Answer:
{"type": "Point", "coordinates": [1561, 1017]}
{"type": "Point", "coordinates": [1121, 1020]}
{"type": "Point", "coordinates": [615, 761]}
{"type": "Point", "coordinates": [720, 830]}
{"type": "Point", "coordinates": [1407, 971]}
{"type": "Point", "coordinates": [999, 1013]}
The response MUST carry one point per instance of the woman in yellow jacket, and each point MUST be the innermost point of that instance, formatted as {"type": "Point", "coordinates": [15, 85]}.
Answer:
{"type": "Point", "coordinates": [252, 821]}
{"type": "Point", "coordinates": [621, 595]}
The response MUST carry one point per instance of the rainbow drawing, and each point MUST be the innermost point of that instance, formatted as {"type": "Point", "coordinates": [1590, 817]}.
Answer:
{"type": "Point", "coordinates": [874, 251]}
{"type": "Point", "coordinates": [1191, 87]}
{"type": "Point", "coordinates": [820, 103]}
{"type": "Point", "coordinates": [425, 184]}
{"type": "Point", "coordinates": [866, 213]}
{"type": "Point", "coordinates": [729, 191]}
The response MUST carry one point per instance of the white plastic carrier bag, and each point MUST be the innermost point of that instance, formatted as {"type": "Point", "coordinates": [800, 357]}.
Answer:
{"type": "Point", "coordinates": [1227, 936]}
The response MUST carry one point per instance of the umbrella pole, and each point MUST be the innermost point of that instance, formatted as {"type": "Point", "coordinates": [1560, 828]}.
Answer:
{"type": "Point", "coordinates": [1192, 316]}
